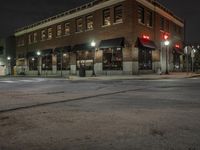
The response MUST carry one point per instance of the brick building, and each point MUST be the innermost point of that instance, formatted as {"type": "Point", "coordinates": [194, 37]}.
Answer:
{"type": "Point", "coordinates": [110, 36]}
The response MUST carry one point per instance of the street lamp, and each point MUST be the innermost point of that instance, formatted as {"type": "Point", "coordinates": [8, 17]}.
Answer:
{"type": "Point", "coordinates": [93, 44]}
{"type": "Point", "coordinates": [9, 65]}
{"type": "Point", "coordinates": [38, 54]}
{"type": "Point", "coordinates": [166, 43]}
{"type": "Point", "coordinates": [193, 56]}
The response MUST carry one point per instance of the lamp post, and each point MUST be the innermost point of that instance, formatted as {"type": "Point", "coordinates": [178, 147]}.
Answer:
{"type": "Point", "coordinates": [38, 54]}
{"type": "Point", "coordinates": [93, 44]}
{"type": "Point", "coordinates": [166, 43]}
{"type": "Point", "coordinates": [193, 56]}
{"type": "Point", "coordinates": [9, 65]}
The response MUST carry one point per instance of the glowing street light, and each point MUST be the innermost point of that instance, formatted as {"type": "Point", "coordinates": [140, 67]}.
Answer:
{"type": "Point", "coordinates": [166, 43]}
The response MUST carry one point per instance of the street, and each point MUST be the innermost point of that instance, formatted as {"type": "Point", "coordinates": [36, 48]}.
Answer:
{"type": "Point", "coordinates": [50, 114]}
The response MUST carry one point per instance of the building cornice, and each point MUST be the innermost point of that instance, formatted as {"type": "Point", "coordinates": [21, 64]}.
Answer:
{"type": "Point", "coordinates": [68, 17]}
{"type": "Point", "coordinates": [160, 11]}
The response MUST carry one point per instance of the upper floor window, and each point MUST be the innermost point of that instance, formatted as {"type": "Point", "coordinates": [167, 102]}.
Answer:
{"type": "Point", "coordinates": [140, 14]}
{"type": "Point", "coordinates": [43, 35]}
{"type": "Point", "coordinates": [50, 34]}
{"type": "Point", "coordinates": [106, 17]}
{"type": "Point", "coordinates": [29, 39]}
{"type": "Point", "coordinates": [149, 19]}
{"type": "Point", "coordinates": [59, 30]}
{"type": "Point", "coordinates": [79, 25]}
{"type": "Point", "coordinates": [167, 25]}
{"type": "Point", "coordinates": [20, 41]}
{"type": "Point", "coordinates": [118, 14]}
{"type": "Point", "coordinates": [35, 37]}
{"type": "Point", "coordinates": [89, 22]}
{"type": "Point", "coordinates": [67, 29]}
{"type": "Point", "coordinates": [162, 23]}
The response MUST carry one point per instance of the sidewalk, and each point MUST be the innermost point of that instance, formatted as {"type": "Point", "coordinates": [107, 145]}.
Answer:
{"type": "Point", "coordinates": [138, 77]}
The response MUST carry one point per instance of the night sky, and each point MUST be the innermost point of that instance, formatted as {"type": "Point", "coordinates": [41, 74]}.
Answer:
{"type": "Point", "coordinates": [19, 13]}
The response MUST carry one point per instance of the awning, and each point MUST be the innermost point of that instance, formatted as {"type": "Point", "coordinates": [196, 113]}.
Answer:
{"type": "Point", "coordinates": [82, 47]}
{"type": "Point", "coordinates": [146, 43]}
{"type": "Point", "coordinates": [62, 49]}
{"type": "Point", "coordinates": [178, 51]}
{"type": "Point", "coordinates": [112, 43]}
{"type": "Point", "coordinates": [47, 52]}
{"type": "Point", "coordinates": [31, 54]}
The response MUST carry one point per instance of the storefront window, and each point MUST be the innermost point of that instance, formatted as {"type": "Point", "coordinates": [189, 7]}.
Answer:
{"type": "Point", "coordinates": [33, 63]}
{"type": "Point", "coordinates": [85, 58]}
{"type": "Point", "coordinates": [63, 61]}
{"type": "Point", "coordinates": [112, 59]}
{"type": "Point", "coordinates": [145, 59]}
{"type": "Point", "coordinates": [47, 62]}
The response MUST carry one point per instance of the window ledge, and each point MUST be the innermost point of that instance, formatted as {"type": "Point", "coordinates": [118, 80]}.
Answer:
{"type": "Point", "coordinates": [66, 35]}
{"type": "Point", "coordinates": [58, 36]}
{"type": "Point", "coordinates": [104, 26]}
{"type": "Point", "coordinates": [116, 23]}
{"type": "Point", "coordinates": [79, 32]}
{"type": "Point", "coordinates": [141, 23]}
{"type": "Point", "coordinates": [89, 30]}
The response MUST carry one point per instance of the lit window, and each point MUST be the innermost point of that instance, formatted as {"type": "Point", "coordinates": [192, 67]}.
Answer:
{"type": "Point", "coordinates": [67, 29]}
{"type": "Point", "coordinates": [59, 30]}
{"type": "Point", "coordinates": [43, 35]}
{"type": "Point", "coordinates": [35, 37]}
{"type": "Point", "coordinates": [89, 23]}
{"type": "Point", "coordinates": [140, 14]}
{"type": "Point", "coordinates": [79, 25]}
{"type": "Point", "coordinates": [50, 33]}
{"type": "Point", "coordinates": [106, 17]}
{"type": "Point", "coordinates": [118, 12]}
{"type": "Point", "coordinates": [149, 19]}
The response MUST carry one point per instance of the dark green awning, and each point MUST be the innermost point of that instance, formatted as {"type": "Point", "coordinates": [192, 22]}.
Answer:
{"type": "Point", "coordinates": [146, 43]}
{"type": "Point", "coordinates": [47, 52]}
{"type": "Point", "coordinates": [83, 47]}
{"type": "Point", "coordinates": [112, 43]}
{"type": "Point", "coordinates": [62, 49]}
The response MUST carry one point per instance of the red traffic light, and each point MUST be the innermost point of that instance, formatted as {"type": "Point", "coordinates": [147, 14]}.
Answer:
{"type": "Point", "coordinates": [166, 37]}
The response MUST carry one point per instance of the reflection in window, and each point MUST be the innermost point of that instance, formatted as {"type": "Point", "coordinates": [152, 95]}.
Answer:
{"type": "Point", "coordinates": [118, 12]}
{"type": "Point", "coordinates": [59, 30]}
{"type": "Point", "coordinates": [79, 25]}
{"type": "Point", "coordinates": [50, 33]}
{"type": "Point", "coordinates": [140, 14]}
{"type": "Point", "coordinates": [145, 59]}
{"type": "Point", "coordinates": [112, 59]}
{"type": "Point", "coordinates": [149, 19]}
{"type": "Point", "coordinates": [85, 59]}
{"type": "Point", "coordinates": [67, 29]}
{"type": "Point", "coordinates": [43, 35]}
{"type": "Point", "coordinates": [106, 17]}
{"type": "Point", "coordinates": [89, 23]}
{"type": "Point", "coordinates": [63, 61]}
{"type": "Point", "coordinates": [33, 63]}
{"type": "Point", "coordinates": [47, 62]}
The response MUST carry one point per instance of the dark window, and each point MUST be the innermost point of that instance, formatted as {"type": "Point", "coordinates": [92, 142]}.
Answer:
{"type": "Point", "coordinates": [149, 18]}
{"type": "Point", "coordinates": [118, 12]}
{"type": "Point", "coordinates": [167, 25]}
{"type": "Point", "coordinates": [59, 30]}
{"type": "Point", "coordinates": [106, 17]}
{"type": "Point", "coordinates": [162, 24]}
{"type": "Point", "coordinates": [43, 35]}
{"type": "Point", "coordinates": [63, 61]}
{"type": "Point", "coordinates": [67, 28]}
{"type": "Point", "coordinates": [33, 63]}
{"type": "Point", "coordinates": [47, 62]}
{"type": "Point", "coordinates": [112, 59]}
{"type": "Point", "coordinates": [85, 58]}
{"type": "Point", "coordinates": [145, 59]}
{"type": "Point", "coordinates": [79, 25]}
{"type": "Point", "coordinates": [1, 50]}
{"type": "Point", "coordinates": [140, 14]}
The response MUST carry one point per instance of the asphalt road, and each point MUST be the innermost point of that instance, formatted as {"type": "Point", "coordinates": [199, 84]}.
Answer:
{"type": "Point", "coordinates": [49, 114]}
